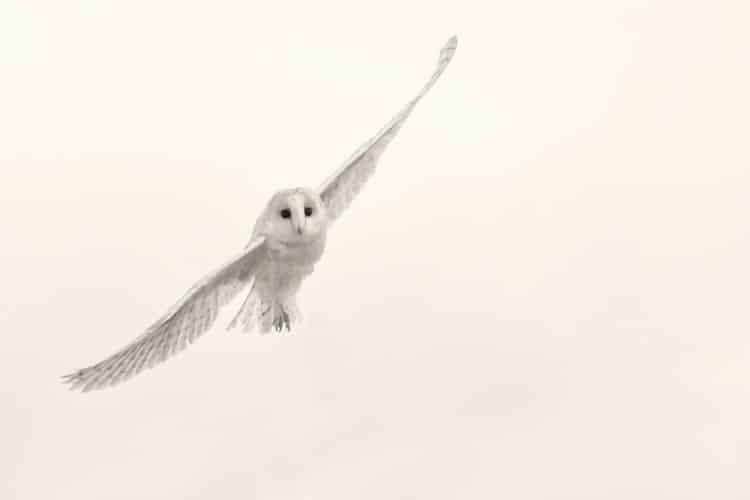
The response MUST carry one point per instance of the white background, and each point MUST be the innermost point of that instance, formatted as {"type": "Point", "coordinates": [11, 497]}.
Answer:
{"type": "Point", "coordinates": [542, 293]}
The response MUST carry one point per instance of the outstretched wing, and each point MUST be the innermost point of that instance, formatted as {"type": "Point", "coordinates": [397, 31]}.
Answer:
{"type": "Point", "coordinates": [338, 191]}
{"type": "Point", "coordinates": [181, 325]}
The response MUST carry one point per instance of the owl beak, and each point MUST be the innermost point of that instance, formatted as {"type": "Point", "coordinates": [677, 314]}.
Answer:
{"type": "Point", "coordinates": [298, 221]}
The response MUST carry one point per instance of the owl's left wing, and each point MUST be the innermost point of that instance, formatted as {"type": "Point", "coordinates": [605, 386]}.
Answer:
{"type": "Point", "coordinates": [182, 324]}
{"type": "Point", "coordinates": [338, 191]}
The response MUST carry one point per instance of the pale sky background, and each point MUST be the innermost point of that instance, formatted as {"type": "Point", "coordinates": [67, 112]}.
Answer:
{"type": "Point", "coordinates": [541, 294]}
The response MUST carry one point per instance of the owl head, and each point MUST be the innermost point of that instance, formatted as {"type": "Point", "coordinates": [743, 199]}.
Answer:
{"type": "Point", "coordinates": [295, 216]}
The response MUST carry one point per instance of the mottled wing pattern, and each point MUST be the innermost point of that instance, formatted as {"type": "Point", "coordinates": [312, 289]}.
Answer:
{"type": "Point", "coordinates": [338, 191]}
{"type": "Point", "coordinates": [190, 317]}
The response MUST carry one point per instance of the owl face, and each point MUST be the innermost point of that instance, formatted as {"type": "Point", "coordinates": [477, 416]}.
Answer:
{"type": "Point", "coordinates": [295, 216]}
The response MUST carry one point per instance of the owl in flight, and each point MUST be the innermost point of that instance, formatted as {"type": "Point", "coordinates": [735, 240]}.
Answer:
{"type": "Point", "coordinates": [287, 240]}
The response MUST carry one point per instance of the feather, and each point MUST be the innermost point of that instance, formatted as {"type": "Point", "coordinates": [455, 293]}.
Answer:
{"type": "Point", "coordinates": [185, 321]}
{"type": "Point", "coordinates": [338, 191]}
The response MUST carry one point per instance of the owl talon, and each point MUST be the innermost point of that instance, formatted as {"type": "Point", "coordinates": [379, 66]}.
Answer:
{"type": "Point", "coordinates": [282, 321]}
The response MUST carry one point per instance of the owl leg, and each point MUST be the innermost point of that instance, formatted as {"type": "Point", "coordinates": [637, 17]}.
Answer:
{"type": "Point", "coordinates": [285, 314]}
{"type": "Point", "coordinates": [281, 320]}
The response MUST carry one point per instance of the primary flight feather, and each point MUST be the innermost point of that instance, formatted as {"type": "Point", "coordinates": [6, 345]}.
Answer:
{"type": "Point", "coordinates": [288, 239]}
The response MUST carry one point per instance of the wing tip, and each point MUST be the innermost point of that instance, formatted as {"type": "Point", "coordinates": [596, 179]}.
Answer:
{"type": "Point", "coordinates": [446, 53]}
{"type": "Point", "coordinates": [82, 381]}
{"type": "Point", "coordinates": [72, 380]}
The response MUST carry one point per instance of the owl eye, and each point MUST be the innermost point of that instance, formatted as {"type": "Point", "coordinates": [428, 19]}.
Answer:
{"type": "Point", "coordinates": [286, 213]}
{"type": "Point", "coordinates": [308, 211]}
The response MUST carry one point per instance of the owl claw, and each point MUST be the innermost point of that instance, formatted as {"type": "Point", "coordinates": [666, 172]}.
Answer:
{"type": "Point", "coordinates": [282, 321]}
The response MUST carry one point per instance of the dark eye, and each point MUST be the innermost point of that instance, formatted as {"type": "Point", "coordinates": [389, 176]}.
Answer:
{"type": "Point", "coordinates": [308, 211]}
{"type": "Point", "coordinates": [286, 213]}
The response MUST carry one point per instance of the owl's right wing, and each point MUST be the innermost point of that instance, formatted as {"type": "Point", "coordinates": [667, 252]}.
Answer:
{"type": "Point", "coordinates": [190, 317]}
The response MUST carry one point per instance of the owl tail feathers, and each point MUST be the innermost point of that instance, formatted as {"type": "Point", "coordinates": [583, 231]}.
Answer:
{"type": "Point", "coordinates": [263, 314]}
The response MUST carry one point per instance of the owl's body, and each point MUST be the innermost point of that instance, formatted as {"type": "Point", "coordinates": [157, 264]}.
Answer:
{"type": "Point", "coordinates": [287, 241]}
{"type": "Point", "coordinates": [288, 260]}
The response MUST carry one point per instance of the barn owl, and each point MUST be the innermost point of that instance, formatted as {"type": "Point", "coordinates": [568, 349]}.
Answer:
{"type": "Point", "coordinates": [287, 240]}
